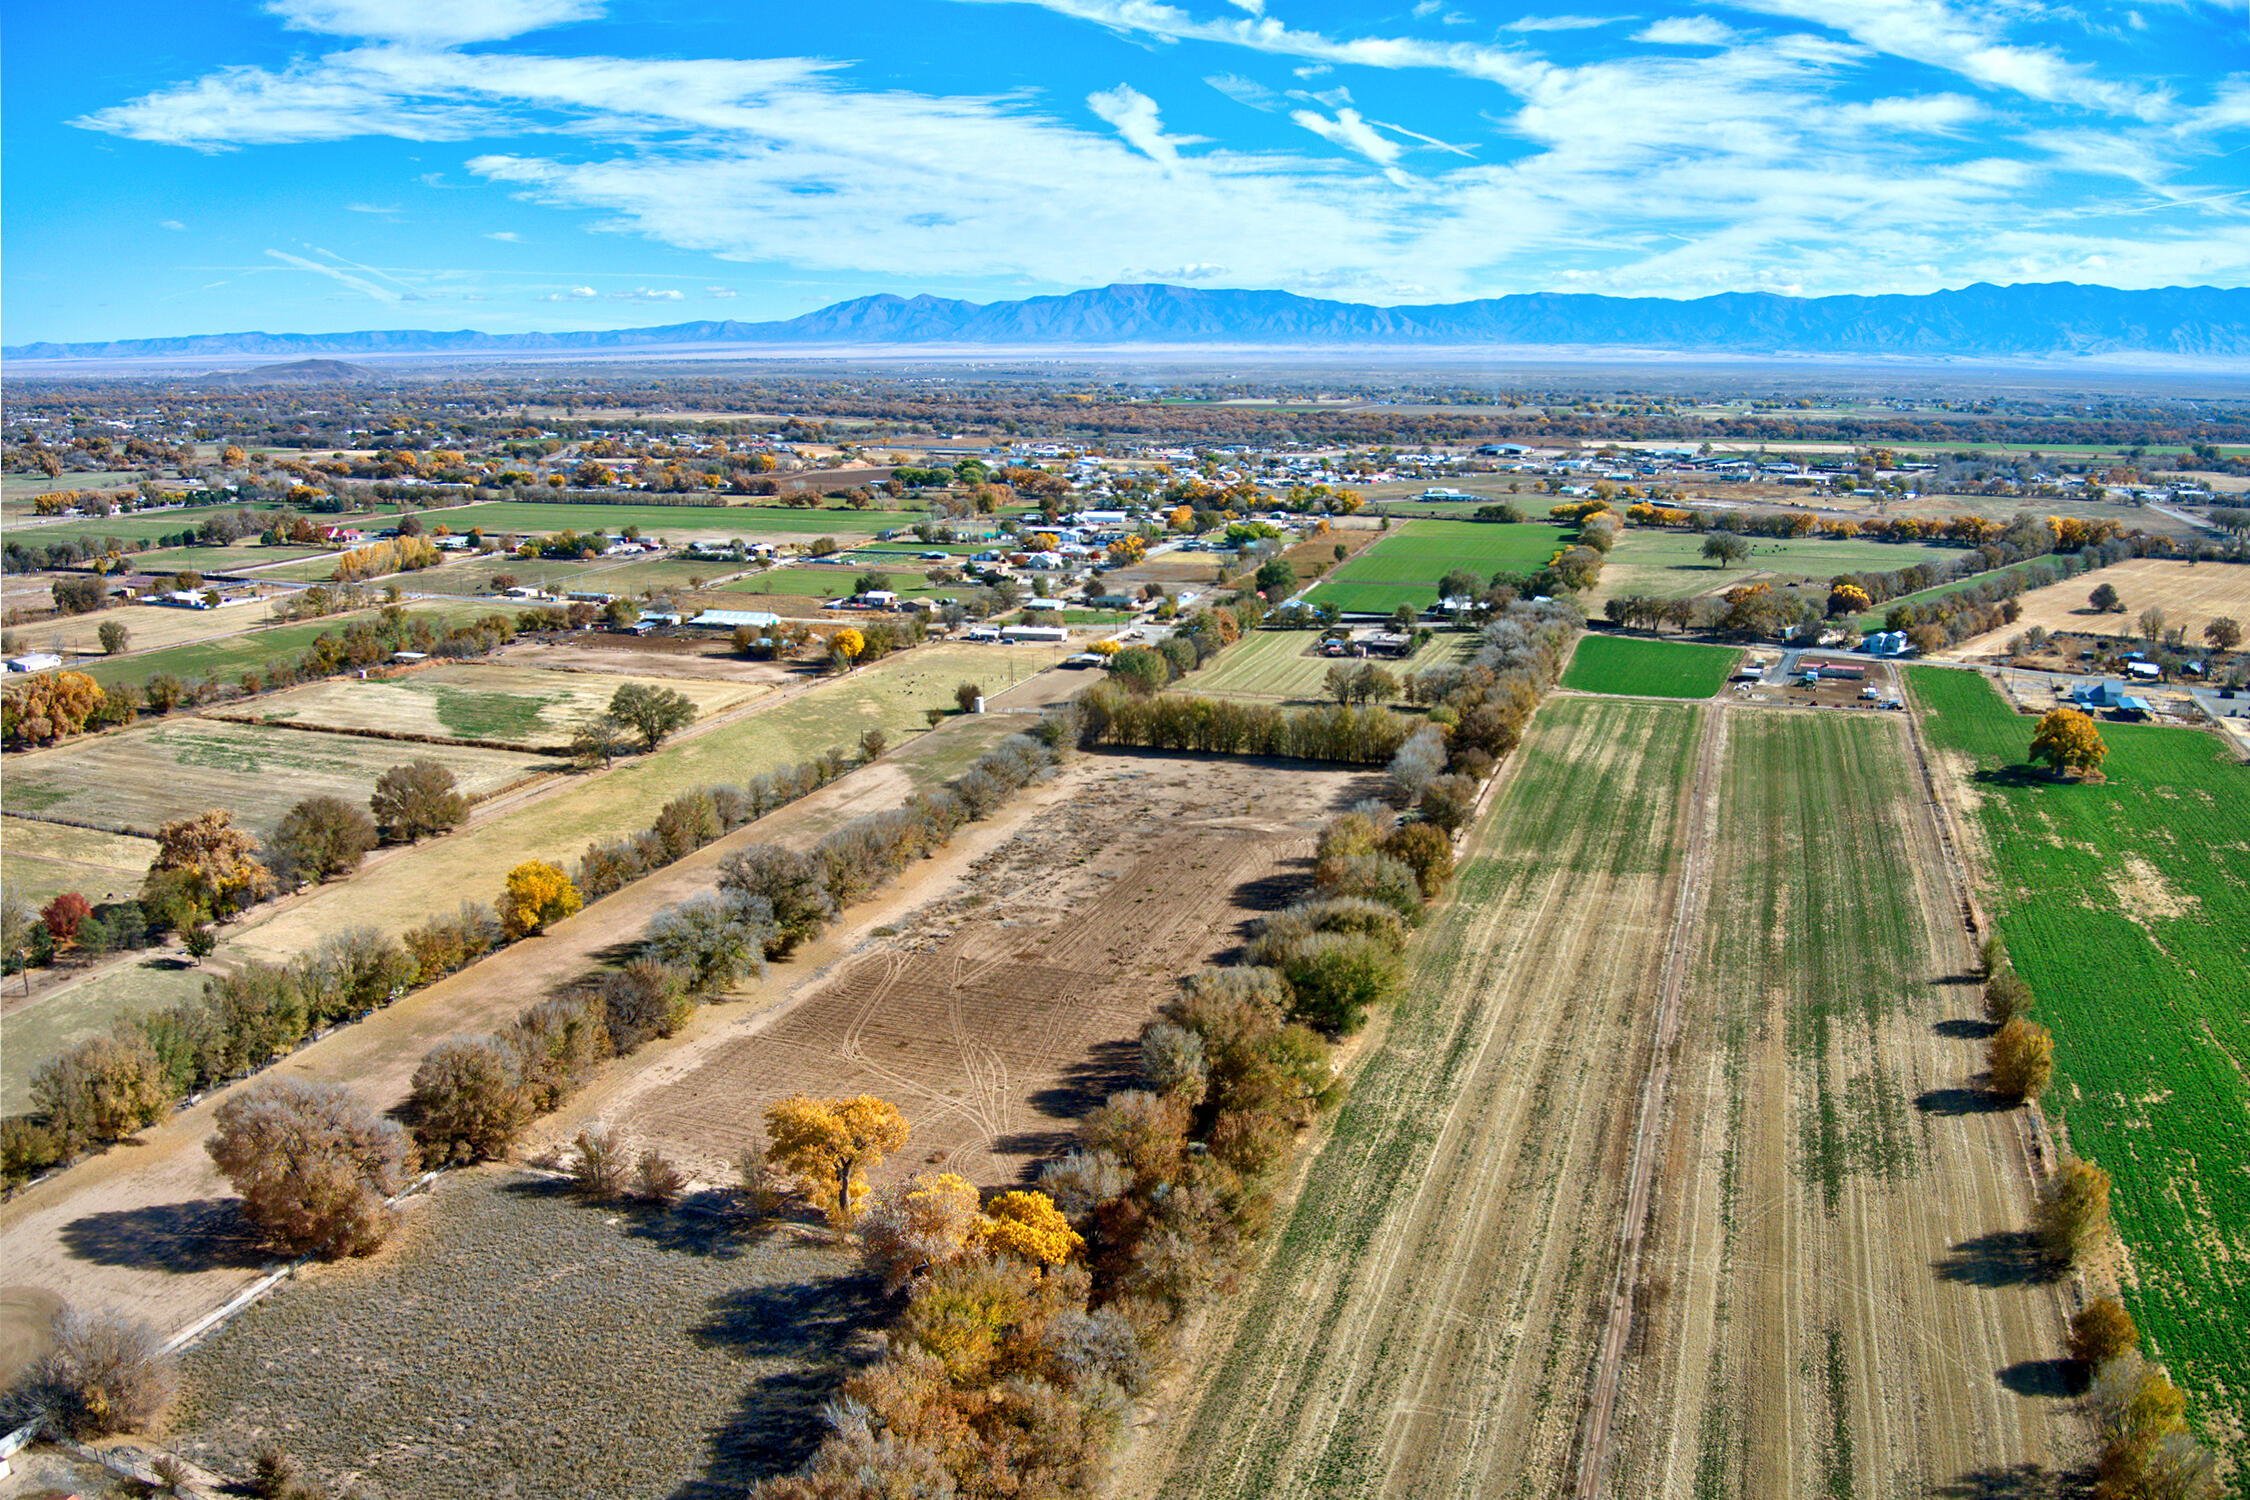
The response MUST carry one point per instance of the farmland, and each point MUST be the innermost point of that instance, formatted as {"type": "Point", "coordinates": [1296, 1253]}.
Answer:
{"type": "Point", "coordinates": [2190, 594]}
{"type": "Point", "coordinates": [1405, 566]}
{"type": "Point", "coordinates": [1430, 1317]}
{"type": "Point", "coordinates": [212, 655]}
{"type": "Point", "coordinates": [42, 860]}
{"type": "Point", "coordinates": [1670, 564]}
{"type": "Point", "coordinates": [524, 706]}
{"type": "Point", "coordinates": [136, 779]}
{"type": "Point", "coordinates": [88, 1007]}
{"type": "Point", "coordinates": [1009, 1001]}
{"type": "Point", "coordinates": [827, 581]}
{"type": "Point", "coordinates": [1649, 669]}
{"type": "Point", "coordinates": [1287, 664]}
{"type": "Point", "coordinates": [673, 522]}
{"type": "Point", "coordinates": [151, 628]}
{"type": "Point", "coordinates": [2124, 905]}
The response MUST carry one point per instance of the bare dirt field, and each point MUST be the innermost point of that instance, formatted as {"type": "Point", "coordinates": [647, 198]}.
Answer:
{"type": "Point", "coordinates": [2190, 594]}
{"type": "Point", "coordinates": [648, 656]}
{"type": "Point", "coordinates": [136, 779]}
{"type": "Point", "coordinates": [517, 704]}
{"type": "Point", "coordinates": [1010, 1002]}
{"type": "Point", "coordinates": [1671, 1174]}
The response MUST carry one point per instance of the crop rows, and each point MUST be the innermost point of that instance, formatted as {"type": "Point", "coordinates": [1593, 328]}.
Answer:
{"type": "Point", "coordinates": [2126, 906]}
{"type": "Point", "coordinates": [1649, 669]}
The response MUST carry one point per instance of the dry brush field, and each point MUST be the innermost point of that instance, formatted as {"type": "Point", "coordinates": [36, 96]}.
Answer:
{"type": "Point", "coordinates": [1820, 1298]}
{"type": "Point", "coordinates": [519, 705]}
{"type": "Point", "coordinates": [2190, 594]}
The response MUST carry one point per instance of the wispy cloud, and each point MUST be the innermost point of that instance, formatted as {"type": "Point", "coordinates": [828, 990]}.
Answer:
{"type": "Point", "coordinates": [170, 224]}
{"type": "Point", "coordinates": [341, 277]}
{"type": "Point", "coordinates": [1133, 115]}
{"type": "Point", "coordinates": [721, 292]}
{"type": "Point", "coordinates": [649, 294]}
{"type": "Point", "coordinates": [1687, 31]}
{"type": "Point", "coordinates": [572, 294]}
{"type": "Point", "coordinates": [505, 236]}
{"type": "Point", "coordinates": [431, 23]}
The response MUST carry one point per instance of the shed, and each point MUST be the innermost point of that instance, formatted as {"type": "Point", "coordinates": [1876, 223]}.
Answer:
{"type": "Point", "coordinates": [1053, 633]}
{"type": "Point", "coordinates": [34, 661]}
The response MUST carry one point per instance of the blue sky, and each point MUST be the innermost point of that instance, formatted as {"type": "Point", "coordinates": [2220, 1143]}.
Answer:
{"type": "Point", "coordinates": [322, 165]}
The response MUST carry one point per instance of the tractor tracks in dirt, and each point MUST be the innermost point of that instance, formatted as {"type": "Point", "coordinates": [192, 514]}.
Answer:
{"type": "Point", "coordinates": [1700, 820]}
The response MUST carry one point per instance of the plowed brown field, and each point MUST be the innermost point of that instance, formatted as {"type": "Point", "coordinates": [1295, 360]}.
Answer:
{"type": "Point", "coordinates": [1011, 1003]}
{"type": "Point", "coordinates": [1532, 1261]}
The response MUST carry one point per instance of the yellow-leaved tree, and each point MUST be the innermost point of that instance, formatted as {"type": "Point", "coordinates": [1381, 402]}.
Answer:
{"type": "Point", "coordinates": [924, 1221]}
{"type": "Point", "coordinates": [830, 1144]}
{"type": "Point", "coordinates": [848, 643]}
{"type": "Point", "coordinates": [215, 862]}
{"type": "Point", "coordinates": [1848, 599]}
{"type": "Point", "coordinates": [537, 893]}
{"type": "Point", "coordinates": [1028, 1226]}
{"type": "Point", "coordinates": [2069, 741]}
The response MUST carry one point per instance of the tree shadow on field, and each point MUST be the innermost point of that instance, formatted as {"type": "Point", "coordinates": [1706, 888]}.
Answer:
{"type": "Point", "coordinates": [208, 1234]}
{"type": "Point", "coordinates": [1961, 980]}
{"type": "Point", "coordinates": [1082, 1088]}
{"type": "Point", "coordinates": [1965, 1029]}
{"type": "Point", "coordinates": [2045, 1377]}
{"type": "Point", "coordinates": [2014, 775]}
{"type": "Point", "coordinates": [824, 1327]}
{"type": "Point", "coordinates": [1953, 1103]}
{"type": "Point", "coordinates": [2006, 1257]}
{"type": "Point", "coordinates": [2017, 1482]}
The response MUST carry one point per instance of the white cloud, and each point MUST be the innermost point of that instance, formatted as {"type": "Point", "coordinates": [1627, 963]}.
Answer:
{"type": "Point", "coordinates": [1245, 91]}
{"type": "Point", "coordinates": [1353, 133]}
{"type": "Point", "coordinates": [648, 294]}
{"type": "Point", "coordinates": [170, 224]}
{"type": "Point", "coordinates": [1687, 31]}
{"type": "Point", "coordinates": [431, 23]}
{"type": "Point", "coordinates": [505, 236]}
{"type": "Point", "coordinates": [1133, 115]}
{"type": "Point", "coordinates": [371, 208]}
{"type": "Point", "coordinates": [721, 292]}
{"type": "Point", "coordinates": [1559, 23]}
{"type": "Point", "coordinates": [574, 294]}
{"type": "Point", "coordinates": [343, 278]}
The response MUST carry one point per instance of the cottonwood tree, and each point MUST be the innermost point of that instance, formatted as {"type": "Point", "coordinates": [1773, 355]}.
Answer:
{"type": "Point", "coordinates": [468, 1101]}
{"type": "Point", "coordinates": [2073, 1210]}
{"type": "Point", "coordinates": [598, 740]}
{"type": "Point", "coordinates": [115, 637]}
{"type": "Point", "coordinates": [537, 893]}
{"type": "Point", "coordinates": [2068, 740]}
{"type": "Point", "coordinates": [2006, 997]}
{"type": "Point", "coordinates": [322, 837]}
{"type": "Point", "coordinates": [2022, 1057]}
{"type": "Point", "coordinates": [2223, 633]}
{"type": "Point", "coordinates": [1725, 548]}
{"type": "Point", "coordinates": [2104, 599]}
{"type": "Point", "coordinates": [102, 1089]}
{"type": "Point", "coordinates": [1027, 1225]}
{"type": "Point", "coordinates": [415, 799]}
{"type": "Point", "coordinates": [830, 1144]}
{"type": "Point", "coordinates": [313, 1165]}
{"type": "Point", "coordinates": [794, 887]}
{"type": "Point", "coordinates": [2102, 1331]}
{"type": "Point", "coordinates": [107, 1373]}
{"type": "Point", "coordinates": [651, 712]}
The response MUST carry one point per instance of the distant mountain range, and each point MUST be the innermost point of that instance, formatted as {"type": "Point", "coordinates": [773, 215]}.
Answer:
{"type": "Point", "coordinates": [2053, 320]}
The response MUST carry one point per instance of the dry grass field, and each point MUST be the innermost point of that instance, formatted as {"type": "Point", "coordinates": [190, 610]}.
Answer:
{"type": "Point", "coordinates": [152, 627]}
{"type": "Point", "coordinates": [134, 780]}
{"type": "Point", "coordinates": [2190, 594]}
{"type": "Point", "coordinates": [519, 705]}
{"type": "Point", "coordinates": [1504, 1276]}
{"type": "Point", "coordinates": [1010, 1002]}
{"type": "Point", "coordinates": [40, 861]}
{"type": "Point", "coordinates": [522, 1343]}
{"type": "Point", "coordinates": [1287, 665]}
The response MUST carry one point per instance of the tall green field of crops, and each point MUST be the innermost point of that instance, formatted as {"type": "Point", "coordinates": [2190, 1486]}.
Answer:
{"type": "Point", "coordinates": [2126, 905]}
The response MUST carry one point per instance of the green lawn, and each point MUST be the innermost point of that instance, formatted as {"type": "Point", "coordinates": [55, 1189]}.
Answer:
{"type": "Point", "coordinates": [1404, 567]}
{"type": "Point", "coordinates": [2127, 908]}
{"type": "Point", "coordinates": [216, 559]}
{"type": "Point", "coordinates": [1287, 664]}
{"type": "Point", "coordinates": [1644, 668]}
{"type": "Point", "coordinates": [1670, 564]}
{"type": "Point", "coordinates": [130, 529]}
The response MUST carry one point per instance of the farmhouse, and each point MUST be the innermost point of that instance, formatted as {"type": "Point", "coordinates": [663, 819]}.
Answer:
{"type": "Point", "coordinates": [2111, 696]}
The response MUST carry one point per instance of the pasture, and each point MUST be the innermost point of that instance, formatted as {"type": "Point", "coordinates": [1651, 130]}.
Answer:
{"type": "Point", "coordinates": [210, 560]}
{"type": "Point", "coordinates": [149, 627]}
{"type": "Point", "coordinates": [137, 530]}
{"type": "Point", "coordinates": [1639, 667]}
{"type": "Point", "coordinates": [476, 701]}
{"type": "Point", "coordinates": [1287, 664]}
{"type": "Point", "coordinates": [2125, 905]}
{"type": "Point", "coordinates": [1404, 567]}
{"type": "Point", "coordinates": [136, 779]}
{"type": "Point", "coordinates": [1668, 564]}
{"type": "Point", "coordinates": [40, 861]}
{"type": "Point", "coordinates": [88, 1007]}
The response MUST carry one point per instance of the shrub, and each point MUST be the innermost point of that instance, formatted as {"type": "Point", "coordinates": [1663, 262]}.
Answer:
{"type": "Point", "coordinates": [1172, 1060]}
{"type": "Point", "coordinates": [27, 1148]}
{"type": "Point", "coordinates": [966, 694]}
{"type": "Point", "coordinates": [2022, 1060]}
{"type": "Point", "coordinates": [656, 1179]}
{"type": "Point", "coordinates": [599, 1170]}
{"type": "Point", "coordinates": [645, 998]}
{"type": "Point", "coordinates": [1447, 801]}
{"type": "Point", "coordinates": [273, 1474]}
{"type": "Point", "coordinates": [715, 939]}
{"type": "Point", "coordinates": [313, 1165]}
{"type": "Point", "coordinates": [555, 1042]}
{"type": "Point", "coordinates": [1336, 979]}
{"type": "Point", "coordinates": [469, 1102]}
{"type": "Point", "coordinates": [794, 887]}
{"type": "Point", "coordinates": [1373, 877]}
{"type": "Point", "coordinates": [1425, 851]}
{"type": "Point", "coordinates": [2101, 1331]}
{"type": "Point", "coordinates": [2006, 997]}
{"type": "Point", "coordinates": [914, 1225]}
{"type": "Point", "coordinates": [106, 1374]}
{"type": "Point", "coordinates": [103, 1089]}
{"type": "Point", "coordinates": [2073, 1210]}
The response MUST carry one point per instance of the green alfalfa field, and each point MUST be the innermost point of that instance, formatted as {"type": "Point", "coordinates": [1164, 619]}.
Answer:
{"type": "Point", "coordinates": [1642, 668]}
{"type": "Point", "coordinates": [2126, 905]}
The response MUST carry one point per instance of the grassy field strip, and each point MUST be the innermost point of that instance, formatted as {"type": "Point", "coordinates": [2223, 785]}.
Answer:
{"type": "Point", "coordinates": [1404, 566]}
{"type": "Point", "coordinates": [1425, 1317]}
{"type": "Point", "coordinates": [2125, 905]}
{"type": "Point", "coordinates": [1639, 667]}
{"type": "Point", "coordinates": [524, 706]}
{"type": "Point", "coordinates": [890, 695]}
{"type": "Point", "coordinates": [1827, 1151]}
{"type": "Point", "coordinates": [251, 648]}
{"type": "Point", "coordinates": [40, 861]}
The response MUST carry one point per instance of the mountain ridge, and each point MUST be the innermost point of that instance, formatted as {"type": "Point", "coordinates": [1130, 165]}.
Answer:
{"type": "Point", "coordinates": [2028, 320]}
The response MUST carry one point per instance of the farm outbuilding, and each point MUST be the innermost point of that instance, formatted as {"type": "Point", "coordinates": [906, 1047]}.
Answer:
{"type": "Point", "coordinates": [735, 619]}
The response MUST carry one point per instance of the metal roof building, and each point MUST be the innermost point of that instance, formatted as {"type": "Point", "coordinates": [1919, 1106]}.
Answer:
{"type": "Point", "coordinates": [732, 619]}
